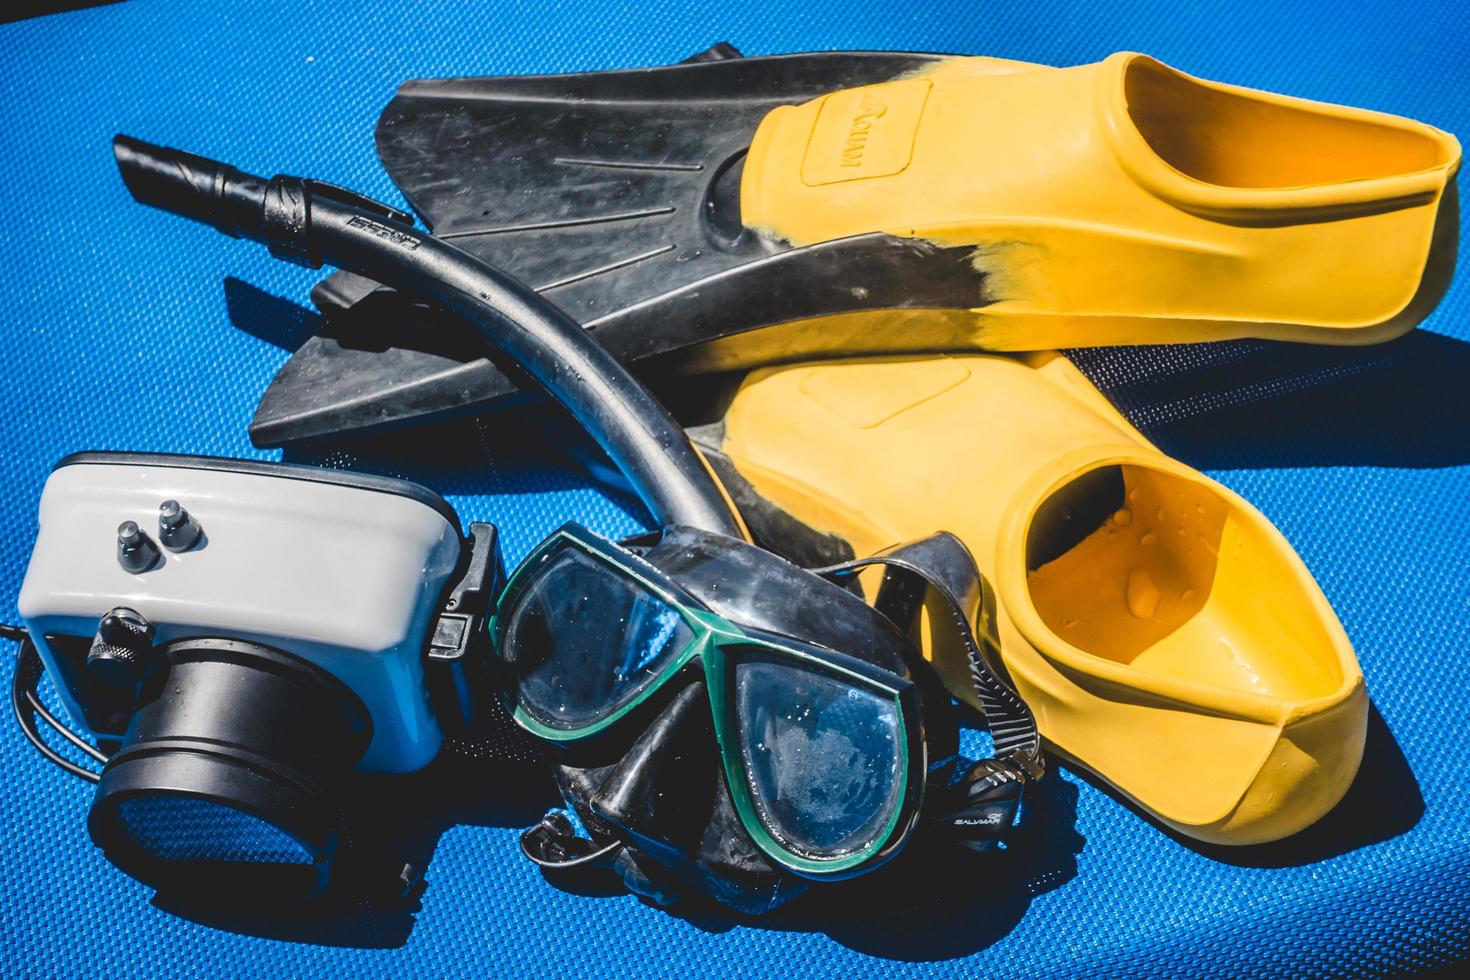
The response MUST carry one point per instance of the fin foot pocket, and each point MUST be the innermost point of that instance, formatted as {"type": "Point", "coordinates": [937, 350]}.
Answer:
{"type": "Point", "coordinates": [1171, 581]}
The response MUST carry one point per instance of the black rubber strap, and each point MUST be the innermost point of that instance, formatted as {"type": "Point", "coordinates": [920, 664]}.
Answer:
{"type": "Point", "coordinates": [943, 563]}
{"type": "Point", "coordinates": [27, 707]}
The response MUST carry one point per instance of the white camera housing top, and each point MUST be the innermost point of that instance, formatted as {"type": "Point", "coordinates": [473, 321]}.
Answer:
{"type": "Point", "coordinates": [341, 569]}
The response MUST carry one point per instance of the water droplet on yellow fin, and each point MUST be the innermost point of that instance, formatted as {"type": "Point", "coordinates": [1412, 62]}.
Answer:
{"type": "Point", "coordinates": [1123, 517]}
{"type": "Point", "coordinates": [1142, 594]}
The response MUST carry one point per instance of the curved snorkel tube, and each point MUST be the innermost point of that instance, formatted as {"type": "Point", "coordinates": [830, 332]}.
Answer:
{"type": "Point", "coordinates": [312, 223]}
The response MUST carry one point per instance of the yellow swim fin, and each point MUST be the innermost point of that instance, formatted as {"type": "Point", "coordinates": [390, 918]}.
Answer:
{"type": "Point", "coordinates": [1167, 636]}
{"type": "Point", "coordinates": [1125, 202]}
{"type": "Point", "coordinates": [728, 213]}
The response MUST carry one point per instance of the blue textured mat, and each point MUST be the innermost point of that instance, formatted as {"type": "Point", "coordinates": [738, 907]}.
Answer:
{"type": "Point", "coordinates": [121, 330]}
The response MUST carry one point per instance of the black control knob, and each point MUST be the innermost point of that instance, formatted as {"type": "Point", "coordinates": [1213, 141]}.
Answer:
{"type": "Point", "coordinates": [177, 529]}
{"type": "Point", "coordinates": [136, 551]}
{"type": "Point", "coordinates": [121, 648]}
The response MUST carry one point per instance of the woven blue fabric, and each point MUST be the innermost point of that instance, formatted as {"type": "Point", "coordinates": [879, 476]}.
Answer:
{"type": "Point", "coordinates": [125, 328]}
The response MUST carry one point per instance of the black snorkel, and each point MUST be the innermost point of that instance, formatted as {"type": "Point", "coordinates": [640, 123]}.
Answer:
{"type": "Point", "coordinates": [312, 223]}
{"type": "Point", "coordinates": [725, 585]}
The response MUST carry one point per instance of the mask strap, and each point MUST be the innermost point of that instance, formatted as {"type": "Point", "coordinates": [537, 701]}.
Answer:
{"type": "Point", "coordinates": [984, 803]}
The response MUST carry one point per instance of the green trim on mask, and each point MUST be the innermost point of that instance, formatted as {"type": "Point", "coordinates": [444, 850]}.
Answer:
{"type": "Point", "coordinates": [712, 643]}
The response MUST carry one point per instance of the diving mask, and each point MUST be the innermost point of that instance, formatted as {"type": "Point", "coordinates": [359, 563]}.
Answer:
{"type": "Point", "coordinates": [818, 745]}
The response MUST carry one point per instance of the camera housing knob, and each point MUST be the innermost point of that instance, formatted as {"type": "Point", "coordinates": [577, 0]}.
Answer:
{"type": "Point", "coordinates": [136, 551]}
{"type": "Point", "coordinates": [120, 650]}
{"type": "Point", "coordinates": [177, 528]}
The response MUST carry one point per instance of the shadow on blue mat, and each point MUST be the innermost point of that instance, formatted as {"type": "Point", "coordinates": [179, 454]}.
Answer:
{"type": "Point", "coordinates": [1254, 404]}
{"type": "Point", "coordinates": [394, 824]}
{"type": "Point", "coordinates": [933, 903]}
{"type": "Point", "coordinates": [277, 321]}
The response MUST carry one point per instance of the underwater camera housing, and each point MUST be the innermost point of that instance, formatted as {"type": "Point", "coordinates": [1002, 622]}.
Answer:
{"type": "Point", "coordinates": [247, 634]}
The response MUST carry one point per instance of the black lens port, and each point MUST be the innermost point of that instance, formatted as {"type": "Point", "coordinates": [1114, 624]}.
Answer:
{"type": "Point", "coordinates": [227, 776]}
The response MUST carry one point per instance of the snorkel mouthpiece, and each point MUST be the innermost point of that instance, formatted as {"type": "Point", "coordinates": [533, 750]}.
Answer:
{"type": "Point", "coordinates": [275, 212]}
{"type": "Point", "coordinates": [191, 186]}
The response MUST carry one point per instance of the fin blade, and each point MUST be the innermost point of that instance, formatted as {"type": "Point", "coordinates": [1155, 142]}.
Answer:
{"type": "Point", "coordinates": [598, 188]}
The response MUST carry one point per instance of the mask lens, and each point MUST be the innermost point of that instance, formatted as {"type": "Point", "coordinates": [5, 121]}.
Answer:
{"type": "Point", "coordinates": [587, 641]}
{"type": "Point", "coordinates": [824, 759]}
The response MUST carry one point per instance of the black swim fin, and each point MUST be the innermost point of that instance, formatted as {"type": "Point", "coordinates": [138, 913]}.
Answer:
{"type": "Point", "coordinates": [618, 195]}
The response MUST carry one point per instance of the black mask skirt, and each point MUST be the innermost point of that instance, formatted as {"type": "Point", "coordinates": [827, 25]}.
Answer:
{"type": "Point", "coordinates": [653, 785]}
